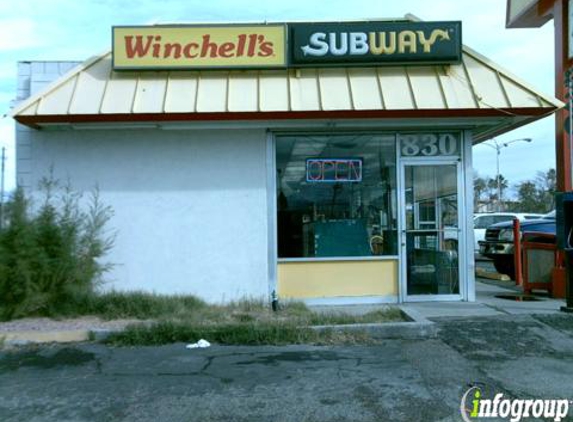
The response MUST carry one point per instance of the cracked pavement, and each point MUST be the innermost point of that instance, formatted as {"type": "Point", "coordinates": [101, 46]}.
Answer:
{"type": "Point", "coordinates": [396, 380]}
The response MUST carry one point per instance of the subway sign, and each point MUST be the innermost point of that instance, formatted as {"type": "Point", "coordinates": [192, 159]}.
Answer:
{"type": "Point", "coordinates": [196, 47]}
{"type": "Point", "coordinates": [285, 45]}
{"type": "Point", "coordinates": [374, 43]}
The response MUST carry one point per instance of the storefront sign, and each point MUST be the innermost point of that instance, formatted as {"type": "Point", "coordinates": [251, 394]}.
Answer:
{"type": "Point", "coordinates": [369, 43]}
{"type": "Point", "coordinates": [190, 47]}
{"type": "Point", "coordinates": [265, 46]}
{"type": "Point", "coordinates": [428, 145]}
{"type": "Point", "coordinates": [334, 170]}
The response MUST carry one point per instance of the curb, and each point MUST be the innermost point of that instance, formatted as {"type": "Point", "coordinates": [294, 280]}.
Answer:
{"type": "Point", "coordinates": [22, 338]}
{"type": "Point", "coordinates": [101, 334]}
{"type": "Point", "coordinates": [417, 327]}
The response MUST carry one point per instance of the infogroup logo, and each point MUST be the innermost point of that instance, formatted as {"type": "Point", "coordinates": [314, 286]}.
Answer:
{"type": "Point", "coordinates": [475, 406]}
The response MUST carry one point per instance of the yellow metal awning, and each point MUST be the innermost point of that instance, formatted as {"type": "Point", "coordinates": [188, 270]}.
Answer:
{"type": "Point", "coordinates": [476, 88]}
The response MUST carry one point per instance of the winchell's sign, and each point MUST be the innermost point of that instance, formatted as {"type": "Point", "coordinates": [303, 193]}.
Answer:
{"type": "Point", "coordinates": [285, 45]}
{"type": "Point", "coordinates": [185, 47]}
{"type": "Point", "coordinates": [371, 43]}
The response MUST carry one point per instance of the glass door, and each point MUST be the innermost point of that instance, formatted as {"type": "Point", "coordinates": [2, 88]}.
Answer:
{"type": "Point", "coordinates": [430, 231]}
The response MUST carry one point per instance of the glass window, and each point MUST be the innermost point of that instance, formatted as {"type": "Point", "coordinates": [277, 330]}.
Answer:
{"type": "Point", "coordinates": [431, 212]}
{"type": "Point", "coordinates": [502, 219]}
{"type": "Point", "coordinates": [336, 195]}
{"type": "Point", "coordinates": [484, 222]}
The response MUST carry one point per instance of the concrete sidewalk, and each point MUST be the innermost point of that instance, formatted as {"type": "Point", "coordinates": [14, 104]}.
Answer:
{"type": "Point", "coordinates": [486, 304]}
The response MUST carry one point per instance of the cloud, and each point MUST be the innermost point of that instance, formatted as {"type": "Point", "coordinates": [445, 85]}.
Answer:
{"type": "Point", "coordinates": [18, 34]}
{"type": "Point", "coordinates": [76, 30]}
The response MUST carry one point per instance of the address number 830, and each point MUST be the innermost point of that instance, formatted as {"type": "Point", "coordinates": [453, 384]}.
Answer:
{"type": "Point", "coordinates": [429, 145]}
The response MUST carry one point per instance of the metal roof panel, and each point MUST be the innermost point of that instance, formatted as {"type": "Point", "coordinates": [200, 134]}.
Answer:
{"type": "Point", "coordinates": [458, 91]}
{"type": "Point", "coordinates": [181, 92]}
{"type": "Point", "coordinates": [59, 101]}
{"type": "Point", "coordinates": [486, 83]}
{"type": "Point", "coordinates": [425, 85]}
{"type": "Point", "coordinates": [90, 88]}
{"type": "Point", "coordinates": [304, 90]}
{"type": "Point", "coordinates": [396, 88]}
{"type": "Point", "coordinates": [274, 91]}
{"type": "Point", "coordinates": [243, 92]}
{"type": "Point", "coordinates": [334, 89]}
{"type": "Point", "coordinates": [365, 88]}
{"type": "Point", "coordinates": [119, 93]}
{"type": "Point", "coordinates": [150, 93]}
{"type": "Point", "coordinates": [212, 92]}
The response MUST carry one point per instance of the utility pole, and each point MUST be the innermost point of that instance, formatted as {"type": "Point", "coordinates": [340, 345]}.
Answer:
{"type": "Point", "coordinates": [533, 14]}
{"type": "Point", "coordinates": [497, 145]}
{"type": "Point", "coordinates": [2, 172]}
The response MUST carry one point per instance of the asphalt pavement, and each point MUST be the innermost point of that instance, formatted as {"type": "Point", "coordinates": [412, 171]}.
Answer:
{"type": "Point", "coordinates": [523, 350]}
{"type": "Point", "coordinates": [521, 356]}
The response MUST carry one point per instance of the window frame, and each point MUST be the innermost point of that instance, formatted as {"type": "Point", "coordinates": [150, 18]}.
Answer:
{"type": "Point", "coordinates": [394, 200]}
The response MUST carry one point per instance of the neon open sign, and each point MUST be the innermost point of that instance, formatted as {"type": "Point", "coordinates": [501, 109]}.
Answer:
{"type": "Point", "coordinates": [333, 170]}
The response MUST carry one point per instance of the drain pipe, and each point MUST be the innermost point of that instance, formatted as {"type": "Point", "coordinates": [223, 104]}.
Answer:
{"type": "Point", "coordinates": [274, 301]}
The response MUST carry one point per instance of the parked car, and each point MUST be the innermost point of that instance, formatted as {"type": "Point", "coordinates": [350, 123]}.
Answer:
{"type": "Point", "coordinates": [498, 243]}
{"type": "Point", "coordinates": [483, 220]}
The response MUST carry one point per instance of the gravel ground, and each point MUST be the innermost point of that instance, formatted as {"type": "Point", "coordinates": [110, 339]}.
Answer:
{"type": "Point", "coordinates": [48, 324]}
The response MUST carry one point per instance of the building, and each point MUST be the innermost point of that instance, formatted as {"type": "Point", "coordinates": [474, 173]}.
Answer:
{"type": "Point", "coordinates": [534, 14]}
{"type": "Point", "coordinates": [328, 162]}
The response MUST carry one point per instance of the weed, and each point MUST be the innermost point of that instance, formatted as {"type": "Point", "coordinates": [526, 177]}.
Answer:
{"type": "Point", "coordinates": [251, 323]}
{"type": "Point", "coordinates": [141, 305]}
{"type": "Point", "coordinates": [269, 333]}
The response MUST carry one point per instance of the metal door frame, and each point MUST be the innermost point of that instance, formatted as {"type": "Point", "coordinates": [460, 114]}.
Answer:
{"type": "Point", "coordinates": [463, 287]}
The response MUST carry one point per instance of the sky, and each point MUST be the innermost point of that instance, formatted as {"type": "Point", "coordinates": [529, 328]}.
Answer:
{"type": "Point", "coordinates": [78, 29]}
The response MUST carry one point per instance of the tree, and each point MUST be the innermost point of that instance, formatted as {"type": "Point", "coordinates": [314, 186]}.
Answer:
{"type": "Point", "coordinates": [537, 195]}
{"type": "Point", "coordinates": [480, 186]}
{"type": "Point", "coordinates": [503, 185]}
{"type": "Point", "coordinates": [492, 189]}
{"type": "Point", "coordinates": [546, 183]}
{"type": "Point", "coordinates": [527, 197]}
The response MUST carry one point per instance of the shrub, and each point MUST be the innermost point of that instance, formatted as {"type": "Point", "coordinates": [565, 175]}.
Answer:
{"type": "Point", "coordinates": [49, 256]}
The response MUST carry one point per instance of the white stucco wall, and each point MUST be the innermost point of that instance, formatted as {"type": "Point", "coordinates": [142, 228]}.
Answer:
{"type": "Point", "coordinates": [190, 206]}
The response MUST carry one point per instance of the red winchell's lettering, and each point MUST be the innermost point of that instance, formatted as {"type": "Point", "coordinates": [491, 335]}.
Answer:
{"type": "Point", "coordinates": [244, 45]}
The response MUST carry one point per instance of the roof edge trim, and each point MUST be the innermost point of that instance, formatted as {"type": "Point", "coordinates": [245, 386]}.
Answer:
{"type": "Point", "coordinates": [35, 121]}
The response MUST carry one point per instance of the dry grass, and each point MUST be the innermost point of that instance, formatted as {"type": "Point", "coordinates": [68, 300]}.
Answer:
{"type": "Point", "coordinates": [248, 322]}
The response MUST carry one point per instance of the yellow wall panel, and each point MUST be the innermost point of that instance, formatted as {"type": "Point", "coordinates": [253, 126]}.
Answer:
{"type": "Point", "coordinates": [301, 280]}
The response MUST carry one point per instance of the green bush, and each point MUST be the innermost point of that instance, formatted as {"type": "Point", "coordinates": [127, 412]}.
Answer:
{"type": "Point", "coordinates": [49, 254]}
